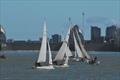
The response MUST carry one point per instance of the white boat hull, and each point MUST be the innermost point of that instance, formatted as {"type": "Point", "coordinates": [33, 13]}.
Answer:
{"type": "Point", "coordinates": [65, 65]}
{"type": "Point", "coordinates": [76, 59]}
{"type": "Point", "coordinates": [45, 67]}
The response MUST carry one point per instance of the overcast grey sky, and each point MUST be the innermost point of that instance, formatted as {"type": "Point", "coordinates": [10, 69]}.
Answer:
{"type": "Point", "coordinates": [23, 19]}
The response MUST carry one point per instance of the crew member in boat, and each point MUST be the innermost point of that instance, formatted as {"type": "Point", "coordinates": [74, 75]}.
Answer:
{"type": "Point", "coordinates": [37, 64]}
{"type": "Point", "coordinates": [82, 59]}
{"type": "Point", "coordinates": [92, 61]}
{"type": "Point", "coordinates": [2, 57]}
{"type": "Point", "coordinates": [55, 62]}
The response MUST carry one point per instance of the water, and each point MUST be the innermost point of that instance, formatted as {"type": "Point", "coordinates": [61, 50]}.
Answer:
{"type": "Point", "coordinates": [18, 65]}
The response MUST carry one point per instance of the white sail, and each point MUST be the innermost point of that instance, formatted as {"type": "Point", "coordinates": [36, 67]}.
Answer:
{"type": "Point", "coordinates": [75, 54]}
{"type": "Point", "coordinates": [50, 55]}
{"type": "Point", "coordinates": [62, 51]}
{"type": "Point", "coordinates": [43, 49]}
{"type": "Point", "coordinates": [77, 48]}
{"type": "Point", "coordinates": [82, 48]}
{"type": "Point", "coordinates": [69, 51]}
{"type": "Point", "coordinates": [68, 35]}
{"type": "Point", "coordinates": [66, 60]}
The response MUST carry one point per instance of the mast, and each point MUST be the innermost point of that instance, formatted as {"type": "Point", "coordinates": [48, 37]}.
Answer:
{"type": "Point", "coordinates": [83, 21]}
{"type": "Point", "coordinates": [83, 15]}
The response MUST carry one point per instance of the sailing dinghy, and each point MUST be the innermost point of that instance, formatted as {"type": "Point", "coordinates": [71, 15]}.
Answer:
{"type": "Point", "coordinates": [87, 57]}
{"type": "Point", "coordinates": [42, 59]}
{"type": "Point", "coordinates": [64, 53]}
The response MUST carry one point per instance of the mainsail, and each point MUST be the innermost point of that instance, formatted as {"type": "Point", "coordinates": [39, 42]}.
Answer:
{"type": "Point", "coordinates": [82, 48]}
{"type": "Point", "coordinates": [68, 51]}
{"type": "Point", "coordinates": [43, 49]}
{"type": "Point", "coordinates": [64, 47]}
{"type": "Point", "coordinates": [61, 52]}
{"type": "Point", "coordinates": [77, 48]}
{"type": "Point", "coordinates": [66, 60]}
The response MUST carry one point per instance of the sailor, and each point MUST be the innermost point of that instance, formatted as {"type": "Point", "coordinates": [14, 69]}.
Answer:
{"type": "Point", "coordinates": [92, 61]}
{"type": "Point", "coordinates": [95, 59]}
{"type": "Point", "coordinates": [55, 62]}
{"type": "Point", "coordinates": [37, 64]}
{"type": "Point", "coordinates": [82, 59]}
{"type": "Point", "coordinates": [2, 56]}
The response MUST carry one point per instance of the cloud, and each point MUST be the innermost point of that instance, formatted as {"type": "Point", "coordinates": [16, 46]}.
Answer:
{"type": "Point", "coordinates": [102, 20]}
{"type": "Point", "coordinates": [115, 22]}
{"type": "Point", "coordinates": [96, 19]}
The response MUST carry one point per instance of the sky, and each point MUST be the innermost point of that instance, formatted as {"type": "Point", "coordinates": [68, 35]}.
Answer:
{"type": "Point", "coordinates": [23, 19]}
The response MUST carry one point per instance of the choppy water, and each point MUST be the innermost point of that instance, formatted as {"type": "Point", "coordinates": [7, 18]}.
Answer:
{"type": "Point", "coordinates": [18, 65]}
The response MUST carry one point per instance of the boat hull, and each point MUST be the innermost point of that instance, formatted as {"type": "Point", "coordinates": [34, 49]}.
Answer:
{"type": "Point", "coordinates": [45, 67]}
{"type": "Point", "coordinates": [65, 65]}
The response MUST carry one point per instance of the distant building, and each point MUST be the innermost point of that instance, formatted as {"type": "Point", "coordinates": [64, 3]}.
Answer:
{"type": "Point", "coordinates": [2, 36]}
{"type": "Point", "coordinates": [56, 38]}
{"type": "Point", "coordinates": [51, 41]}
{"type": "Point", "coordinates": [117, 38]}
{"type": "Point", "coordinates": [10, 40]}
{"type": "Point", "coordinates": [32, 42]}
{"type": "Point", "coordinates": [95, 34]}
{"type": "Point", "coordinates": [110, 33]}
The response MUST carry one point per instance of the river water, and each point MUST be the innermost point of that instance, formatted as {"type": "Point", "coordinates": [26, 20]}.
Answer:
{"type": "Point", "coordinates": [18, 66]}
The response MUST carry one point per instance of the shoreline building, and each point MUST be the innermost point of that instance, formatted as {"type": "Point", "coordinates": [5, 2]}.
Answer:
{"type": "Point", "coordinates": [113, 37]}
{"type": "Point", "coordinates": [56, 38]}
{"type": "Point", "coordinates": [96, 34]}
{"type": "Point", "coordinates": [117, 39]}
{"type": "Point", "coordinates": [110, 33]}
